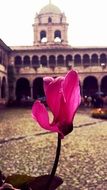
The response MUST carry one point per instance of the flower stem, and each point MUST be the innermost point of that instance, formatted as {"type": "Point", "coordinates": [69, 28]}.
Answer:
{"type": "Point", "coordinates": [55, 163]}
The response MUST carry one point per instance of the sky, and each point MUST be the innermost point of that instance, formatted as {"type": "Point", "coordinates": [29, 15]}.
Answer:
{"type": "Point", "coordinates": [87, 21]}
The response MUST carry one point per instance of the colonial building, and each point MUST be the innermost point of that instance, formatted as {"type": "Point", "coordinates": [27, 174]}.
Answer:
{"type": "Point", "coordinates": [5, 52]}
{"type": "Point", "coordinates": [50, 54]}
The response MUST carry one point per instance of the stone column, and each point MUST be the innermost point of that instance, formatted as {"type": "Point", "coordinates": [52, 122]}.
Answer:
{"type": "Point", "coordinates": [64, 62]}
{"type": "Point", "coordinates": [22, 61]}
{"type": "Point", "coordinates": [49, 34]}
{"type": "Point", "coordinates": [31, 90]}
{"type": "Point", "coordinates": [12, 61]}
{"type": "Point", "coordinates": [99, 86]}
{"type": "Point", "coordinates": [30, 61]}
{"type": "Point", "coordinates": [99, 60]}
{"type": "Point", "coordinates": [11, 92]}
{"type": "Point", "coordinates": [47, 61]}
{"type": "Point", "coordinates": [81, 88]}
{"type": "Point", "coordinates": [72, 62]}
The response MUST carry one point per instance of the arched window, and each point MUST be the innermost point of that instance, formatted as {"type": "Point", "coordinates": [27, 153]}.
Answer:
{"type": "Point", "coordinates": [103, 58]}
{"type": "Point", "coordinates": [94, 59]}
{"type": "Point", "coordinates": [18, 61]}
{"type": "Point", "coordinates": [35, 61]}
{"type": "Point", "coordinates": [43, 61]}
{"type": "Point", "coordinates": [77, 60]}
{"type": "Point", "coordinates": [52, 61]}
{"type": "Point", "coordinates": [26, 61]}
{"type": "Point", "coordinates": [68, 60]}
{"type": "Point", "coordinates": [60, 60]}
{"type": "Point", "coordinates": [86, 60]}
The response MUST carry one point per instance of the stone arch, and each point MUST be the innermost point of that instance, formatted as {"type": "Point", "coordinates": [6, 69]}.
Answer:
{"type": "Point", "coordinates": [77, 60]}
{"type": "Point", "coordinates": [90, 86]}
{"type": "Point", "coordinates": [94, 59]}
{"type": "Point", "coordinates": [38, 90]}
{"type": "Point", "coordinates": [26, 60]}
{"type": "Point", "coordinates": [104, 85]}
{"type": "Point", "coordinates": [60, 60]}
{"type": "Point", "coordinates": [68, 60]}
{"type": "Point", "coordinates": [22, 88]}
{"type": "Point", "coordinates": [43, 60]}
{"type": "Point", "coordinates": [18, 61]}
{"type": "Point", "coordinates": [3, 88]}
{"type": "Point", "coordinates": [86, 60]}
{"type": "Point", "coordinates": [52, 61]}
{"type": "Point", "coordinates": [35, 61]}
{"type": "Point", "coordinates": [80, 84]}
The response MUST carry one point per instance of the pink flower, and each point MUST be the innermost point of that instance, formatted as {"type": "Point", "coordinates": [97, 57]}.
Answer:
{"type": "Point", "coordinates": [63, 98]}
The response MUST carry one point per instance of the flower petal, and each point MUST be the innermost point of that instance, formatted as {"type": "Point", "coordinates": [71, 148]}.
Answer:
{"type": "Point", "coordinates": [71, 90]}
{"type": "Point", "coordinates": [71, 81]}
{"type": "Point", "coordinates": [40, 114]}
{"type": "Point", "coordinates": [53, 95]}
{"type": "Point", "coordinates": [47, 81]}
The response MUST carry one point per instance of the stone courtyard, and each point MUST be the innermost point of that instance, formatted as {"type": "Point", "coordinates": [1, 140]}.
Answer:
{"type": "Point", "coordinates": [27, 149]}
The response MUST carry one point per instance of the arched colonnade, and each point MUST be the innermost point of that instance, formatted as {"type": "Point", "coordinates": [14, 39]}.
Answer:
{"type": "Point", "coordinates": [93, 59]}
{"type": "Point", "coordinates": [34, 89]}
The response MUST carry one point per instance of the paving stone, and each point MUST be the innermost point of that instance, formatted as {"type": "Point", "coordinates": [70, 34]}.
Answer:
{"type": "Point", "coordinates": [27, 149]}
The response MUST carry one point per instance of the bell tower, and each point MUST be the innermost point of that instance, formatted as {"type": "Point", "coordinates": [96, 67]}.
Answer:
{"type": "Point", "coordinates": [50, 26]}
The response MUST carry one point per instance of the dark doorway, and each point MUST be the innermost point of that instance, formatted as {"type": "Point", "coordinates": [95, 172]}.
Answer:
{"type": "Point", "coordinates": [38, 90]}
{"type": "Point", "coordinates": [3, 88]}
{"type": "Point", "coordinates": [90, 86]}
{"type": "Point", "coordinates": [22, 89]}
{"type": "Point", "coordinates": [104, 85]}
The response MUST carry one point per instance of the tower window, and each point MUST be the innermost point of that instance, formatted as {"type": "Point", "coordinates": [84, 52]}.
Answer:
{"type": "Point", "coordinates": [57, 36]}
{"type": "Point", "coordinates": [49, 20]}
{"type": "Point", "coordinates": [43, 36]}
{"type": "Point", "coordinates": [61, 19]}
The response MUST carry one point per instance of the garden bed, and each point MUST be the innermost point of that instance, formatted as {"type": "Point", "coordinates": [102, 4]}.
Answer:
{"type": "Point", "coordinates": [99, 113]}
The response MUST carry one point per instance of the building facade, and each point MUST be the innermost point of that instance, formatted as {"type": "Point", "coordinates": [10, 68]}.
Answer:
{"type": "Point", "coordinates": [22, 72]}
{"type": "Point", "coordinates": [5, 52]}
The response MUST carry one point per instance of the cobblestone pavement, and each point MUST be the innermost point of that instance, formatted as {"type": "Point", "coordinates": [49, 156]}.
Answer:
{"type": "Point", "coordinates": [27, 149]}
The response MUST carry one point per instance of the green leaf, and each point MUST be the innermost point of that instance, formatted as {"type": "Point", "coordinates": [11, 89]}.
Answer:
{"type": "Point", "coordinates": [35, 183]}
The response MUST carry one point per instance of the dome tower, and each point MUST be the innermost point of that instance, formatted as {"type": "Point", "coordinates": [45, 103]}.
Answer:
{"type": "Point", "coordinates": [50, 26]}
